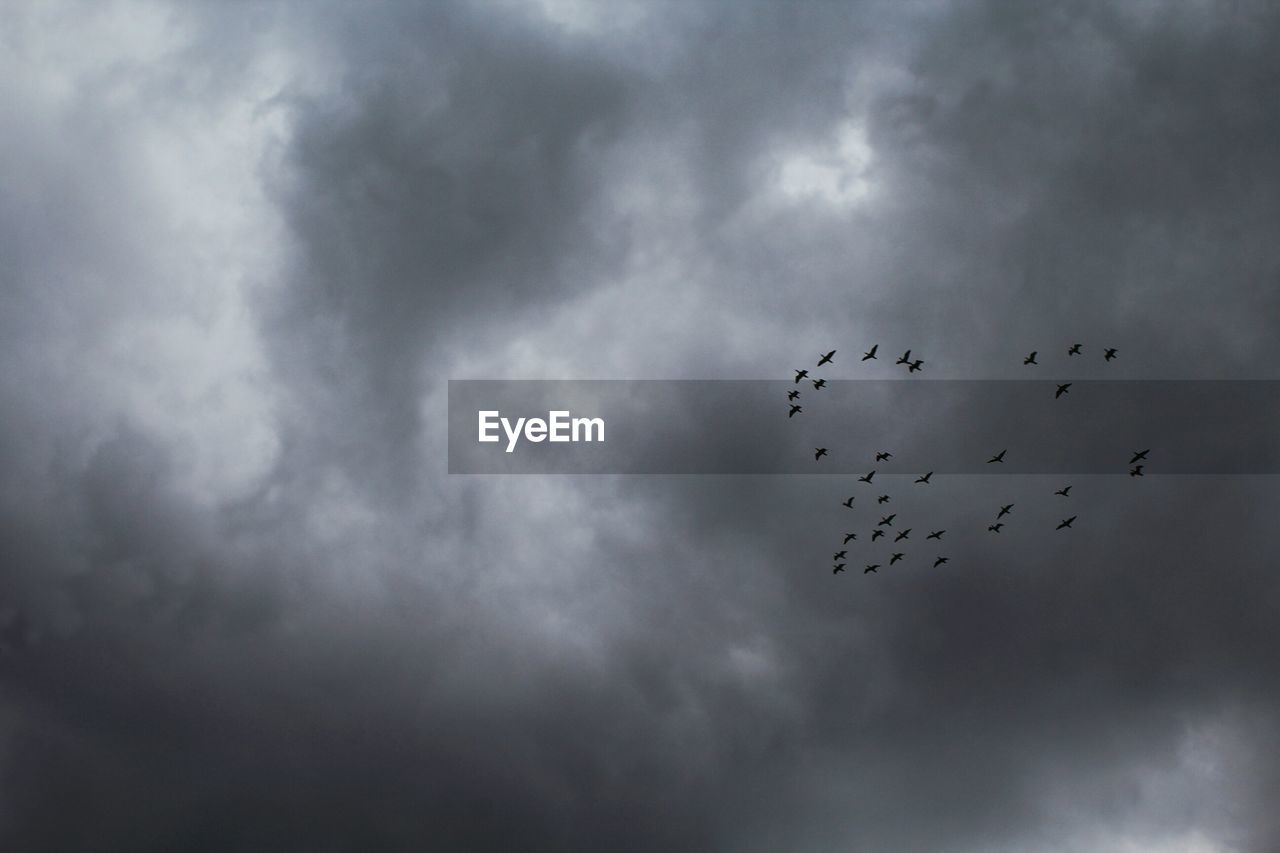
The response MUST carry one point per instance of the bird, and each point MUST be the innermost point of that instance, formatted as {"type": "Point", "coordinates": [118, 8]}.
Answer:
{"type": "Point", "coordinates": [849, 503]}
{"type": "Point", "coordinates": [839, 567]}
{"type": "Point", "coordinates": [1066, 522]}
{"type": "Point", "coordinates": [915, 365]}
{"type": "Point", "coordinates": [866, 478]}
{"type": "Point", "coordinates": [818, 453]}
{"type": "Point", "coordinates": [801, 374]}
{"type": "Point", "coordinates": [792, 394]}
{"type": "Point", "coordinates": [925, 478]}
{"type": "Point", "coordinates": [1063, 491]}
{"type": "Point", "coordinates": [903, 535]}
{"type": "Point", "coordinates": [871, 353]}
{"type": "Point", "coordinates": [995, 528]}
{"type": "Point", "coordinates": [838, 555]}
{"type": "Point", "coordinates": [818, 384]}
{"type": "Point", "coordinates": [1110, 354]}
{"type": "Point", "coordinates": [795, 410]}
{"type": "Point", "coordinates": [883, 499]}
{"type": "Point", "coordinates": [1031, 359]}
{"type": "Point", "coordinates": [1062, 389]}
{"type": "Point", "coordinates": [1074, 350]}
{"type": "Point", "coordinates": [906, 358]}
{"type": "Point", "coordinates": [876, 534]}
{"type": "Point", "coordinates": [1136, 471]}
{"type": "Point", "coordinates": [847, 537]}
{"type": "Point", "coordinates": [883, 455]}
{"type": "Point", "coordinates": [895, 558]}
{"type": "Point", "coordinates": [826, 359]}
{"type": "Point", "coordinates": [937, 534]}
{"type": "Point", "coordinates": [1139, 456]}
{"type": "Point", "coordinates": [888, 519]}
{"type": "Point", "coordinates": [940, 561]}
{"type": "Point", "coordinates": [999, 457]}
{"type": "Point", "coordinates": [1004, 510]}
{"type": "Point", "coordinates": [871, 568]}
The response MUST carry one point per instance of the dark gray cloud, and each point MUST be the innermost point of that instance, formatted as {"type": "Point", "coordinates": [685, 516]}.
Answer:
{"type": "Point", "coordinates": [244, 607]}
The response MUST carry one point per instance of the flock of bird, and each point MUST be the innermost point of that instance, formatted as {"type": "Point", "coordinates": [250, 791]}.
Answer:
{"type": "Point", "coordinates": [887, 521]}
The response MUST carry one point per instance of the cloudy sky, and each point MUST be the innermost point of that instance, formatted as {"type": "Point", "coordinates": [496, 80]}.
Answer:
{"type": "Point", "coordinates": [244, 607]}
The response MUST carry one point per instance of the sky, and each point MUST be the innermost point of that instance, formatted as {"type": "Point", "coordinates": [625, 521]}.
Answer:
{"type": "Point", "coordinates": [243, 247]}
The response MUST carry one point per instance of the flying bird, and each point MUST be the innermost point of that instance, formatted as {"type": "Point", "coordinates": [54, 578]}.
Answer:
{"type": "Point", "coordinates": [940, 561]}
{"type": "Point", "coordinates": [925, 478]}
{"type": "Point", "coordinates": [801, 374]}
{"type": "Point", "coordinates": [1062, 389]}
{"type": "Point", "coordinates": [1031, 359]}
{"type": "Point", "coordinates": [819, 383]}
{"type": "Point", "coordinates": [937, 534]}
{"type": "Point", "coordinates": [906, 358]}
{"type": "Point", "coordinates": [1110, 354]}
{"type": "Point", "coordinates": [895, 558]}
{"type": "Point", "coordinates": [883, 499]}
{"type": "Point", "coordinates": [847, 537]}
{"type": "Point", "coordinates": [995, 528]}
{"type": "Point", "coordinates": [883, 455]}
{"type": "Point", "coordinates": [1066, 522]}
{"type": "Point", "coordinates": [792, 394]}
{"type": "Point", "coordinates": [871, 568]}
{"type": "Point", "coordinates": [1136, 471]}
{"type": "Point", "coordinates": [818, 453]}
{"type": "Point", "coordinates": [1139, 456]}
{"type": "Point", "coordinates": [826, 359]}
{"type": "Point", "coordinates": [888, 519]}
{"type": "Point", "coordinates": [871, 353]}
{"type": "Point", "coordinates": [1004, 510]}
{"type": "Point", "coordinates": [1074, 350]}
{"type": "Point", "coordinates": [915, 365]}
{"type": "Point", "coordinates": [903, 535]}
{"type": "Point", "coordinates": [839, 567]}
{"type": "Point", "coordinates": [876, 534]}
{"type": "Point", "coordinates": [866, 478]}
{"type": "Point", "coordinates": [1063, 491]}
{"type": "Point", "coordinates": [999, 457]}
{"type": "Point", "coordinates": [795, 410]}
{"type": "Point", "coordinates": [849, 503]}
{"type": "Point", "coordinates": [838, 555]}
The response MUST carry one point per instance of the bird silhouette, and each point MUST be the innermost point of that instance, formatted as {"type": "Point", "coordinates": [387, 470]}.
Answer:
{"type": "Point", "coordinates": [995, 528]}
{"type": "Point", "coordinates": [839, 567]}
{"type": "Point", "coordinates": [888, 519]}
{"type": "Point", "coordinates": [792, 394]}
{"type": "Point", "coordinates": [849, 503]}
{"type": "Point", "coordinates": [801, 374]}
{"type": "Point", "coordinates": [847, 537]}
{"type": "Point", "coordinates": [826, 359]}
{"type": "Point", "coordinates": [883, 455]}
{"type": "Point", "coordinates": [940, 561]}
{"type": "Point", "coordinates": [937, 534]}
{"type": "Point", "coordinates": [1110, 354]}
{"type": "Point", "coordinates": [838, 555]}
{"type": "Point", "coordinates": [871, 353]}
{"type": "Point", "coordinates": [876, 534]}
{"type": "Point", "coordinates": [895, 558]}
{"type": "Point", "coordinates": [883, 499]}
{"type": "Point", "coordinates": [1066, 522]}
{"type": "Point", "coordinates": [1074, 350]}
{"type": "Point", "coordinates": [1136, 471]}
{"type": "Point", "coordinates": [818, 453]}
{"type": "Point", "coordinates": [925, 478]}
{"type": "Point", "coordinates": [906, 358]}
{"type": "Point", "coordinates": [1031, 359]}
{"type": "Point", "coordinates": [871, 568]}
{"type": "Point", "coordinates": [1004, 510]}
{"type": "Point", "coordinates": [915, 365]}
{"type": "Point", "coordinates": [866, 478]}
{"type": "Point", "coordinates": [1062, 389]}
{"type": "Point", "coordinates": [1139, 456]}
{"type": "Point", "coordinates": [796, 409]}
{"type": "Point", "coordinates": [819, 384]}
{"type": "Point", "coordinates": [1064, 491]}
{"type": "Point", "coordinates": [903, 535]}
{"type": "Point", "coordinates": [999, 457]}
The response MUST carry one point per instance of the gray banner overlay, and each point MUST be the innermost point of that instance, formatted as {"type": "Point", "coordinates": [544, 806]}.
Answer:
{"type": "Point", "coordinates": [946, 426]}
